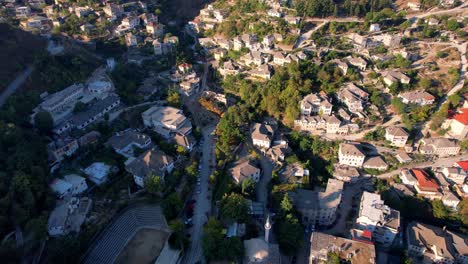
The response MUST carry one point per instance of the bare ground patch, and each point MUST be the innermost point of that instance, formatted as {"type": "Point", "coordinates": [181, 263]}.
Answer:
{"type": "Point", "coordinates": [144, 247]}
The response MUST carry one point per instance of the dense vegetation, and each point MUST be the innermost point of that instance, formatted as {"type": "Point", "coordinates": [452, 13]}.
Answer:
{"type": "Point", "coordinates": [323, 8]}
{"type": "Point", "coordinates": [18, 50]}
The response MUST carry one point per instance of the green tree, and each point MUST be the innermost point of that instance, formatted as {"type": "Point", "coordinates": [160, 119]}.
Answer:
{"type": "Point", "coordinates": [333, 258]}
{"type": "Point", "coordinates": [216, 246]}
{"type": "Point", "coordinates": [154, 184]}
{"type": "Point", "coordinates": [452, 25]}
{"type": "Point", "coordinates": [286, 204]}
{"type": "Point", "coordinates": [439, 210]}
{"type": "Point", "coordinates": [177, 239]}
{"type": "Point", "coordinates": [173, 98]}
{"type": "Point", "coordinates": [234, 207]}
{"type": "Point", "coordinates": [172, 205]}
{"type": "Point", "coordinates": [43, 121]}
{"type": "Point", "coordinates": [248, 187]}
{"type": "Point", "coordinates": [289, 234]}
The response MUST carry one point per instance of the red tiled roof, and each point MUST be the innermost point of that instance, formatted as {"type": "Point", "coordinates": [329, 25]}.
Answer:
{"type": "Point", "coordinates": [424, 180]}
{"type": "Point", "coordinates": [463, 164]}
{"type": "Point", "coordinates": [462, 117]}
{"type": "Point", "coordinates": [367, 234]}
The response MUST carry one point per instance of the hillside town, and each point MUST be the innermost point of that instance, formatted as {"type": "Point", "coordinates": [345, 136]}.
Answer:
{"type": "Point", "coordinates": [234, 131]}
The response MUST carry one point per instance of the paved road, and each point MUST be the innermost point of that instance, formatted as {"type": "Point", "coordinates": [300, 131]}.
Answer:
{"type": "Point", "coordinates": [15, 84]}
{"type": "Point", "coordinates": [441, 162]}
{"type": "Point", "coordinates": [203, 205]}
{"type": "Point", "coordinates": [262, 185]}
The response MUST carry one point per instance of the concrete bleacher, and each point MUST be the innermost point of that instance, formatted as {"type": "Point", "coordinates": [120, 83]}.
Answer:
{"type": "Point", "coordinates": [113, 240]}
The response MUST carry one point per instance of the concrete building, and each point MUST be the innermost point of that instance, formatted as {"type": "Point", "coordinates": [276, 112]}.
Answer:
{"type": "Point", "coordinates": [152, 162]}
{"type": "Point", "coordinates": [396, 135]}
{"type": "Point", "coordinates": [442, 147]}
{"type": "Point", "coordinates": [353, 97]}
{"type": "Point", "coordinates": [98, 172]}
{"type": "Point", "coordinates": [382, 221]}
{"type": "Point", "coordinates": [124, 142]}
{"type": "Point", "coordinates": [435, 244]}
{"type": "Point", "coordinates": [262, 135]}
{"type": "Point", "coordinates": [61, 148]}
{"type": "Point", "coordinates": [355, 252]}
{"type": "Point", "coordinates": [316, 103]}
{"type": "Point", "coordinates": [318, 207]}
{"type": "Point", "coordinates": [423, 184]}
{"type": "Point", "coordinates": [245, 169]}
{"type": "Point", "coordinates": [417, 97]}
{"type": "Point", "coordinates": [454, 175]}
{"type": "Point", "coordinates": [346, 174]}
{"type": "Point", "coordinates": [459, 124]}
{"type": "Point", "coordinates": [78, 184]}
{"type": "Point", "coordinates": [351, 154]}
{"type": "Point", "coordinates": [166, 120]}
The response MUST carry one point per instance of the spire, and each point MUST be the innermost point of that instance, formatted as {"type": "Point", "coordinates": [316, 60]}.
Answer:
{"type": "Point", "coordinates": [267, 228]}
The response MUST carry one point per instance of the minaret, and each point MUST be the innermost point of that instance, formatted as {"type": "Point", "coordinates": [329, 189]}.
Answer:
{"type": "Point", "coordinates": [267, 228]}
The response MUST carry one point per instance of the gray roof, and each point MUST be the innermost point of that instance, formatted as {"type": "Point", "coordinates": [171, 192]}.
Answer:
{"type": "Point", "coordinates": [125, 138]}
{"type": "Point", "coordinates": [354, 251]}
{"type": "Point", "coordinates": [151, 161]}
{"type": "Point", "coordinates": [262, 132]}
{"type": "Point", "coordinates": [396, 131]}
{"type": "Point", "coordinates": [374, 162]}
{"type": "Point", "coordinates": [447, 243]}
{"type": "Point", "coordinates": [94, 110]}
{"type": "Point", "coordinates": [351, 149]}
{"type": "Point", "coordinates": [243, 169]}
{"type": "Point", "coordinates": [306, 199]}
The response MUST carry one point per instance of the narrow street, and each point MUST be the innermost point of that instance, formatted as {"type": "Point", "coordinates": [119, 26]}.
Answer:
{"type": "Point", "coordinates": [441, 162]}
{"type": "Point", "coordinates": [203, 202]}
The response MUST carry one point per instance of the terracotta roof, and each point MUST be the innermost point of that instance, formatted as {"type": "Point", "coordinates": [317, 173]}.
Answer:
{"type": "Point", "coordinates": [463, 164]}
{"type": "Point", "coordinates": [424, 180]}
{"type": "Point", "coordinates": [462, 116]}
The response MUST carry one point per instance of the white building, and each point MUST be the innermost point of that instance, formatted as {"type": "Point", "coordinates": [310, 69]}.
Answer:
{"type": "Point", "coordinates": [98, 172]}
{"type": "Point", "coordinates": [437, 245]}
{"type": "Point", "coordinates": [314, 104]}
{"type": "Point", "coordinates": [318, 207]}
{"type": "Point", "coordinates": [124, 142]}
{"type": "Point", "coordinates": [262, 135]}
{"type": "Point", "coordinates": [166, 120]}
{"type": "Point", "coordinates": [396, 135]}
{"type": "Point", "coordinates": [78, 184]}
{"type": "Point", "coordinates": [378, 218]}
{"type": "Point", "coordinates": [350, 154]}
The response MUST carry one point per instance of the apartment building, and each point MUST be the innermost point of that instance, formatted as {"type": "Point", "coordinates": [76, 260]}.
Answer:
{"type": "Point", "coordinates": [318, 207]}
{"type": "Point", "coordinates": [442, 147]}
{"type": "Point", "coordinates": [381, 220]}
{"type": "Point", "coordinates": [167, 120]}
{"type": "Point", "coordinates": [351, 154]}
{"type": "Point", "coordinates": [354, 252]}
{"type": "Point", "coordinates": [316, 103]}
{"type": "Point", "coordinates": [262, 135]}
{"type": "Point", "coordinates": [436, 244]}
{"type": "Point", "coordinates": [396, 135]}
{"type": "Point", "coordinates": [149, 163]}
